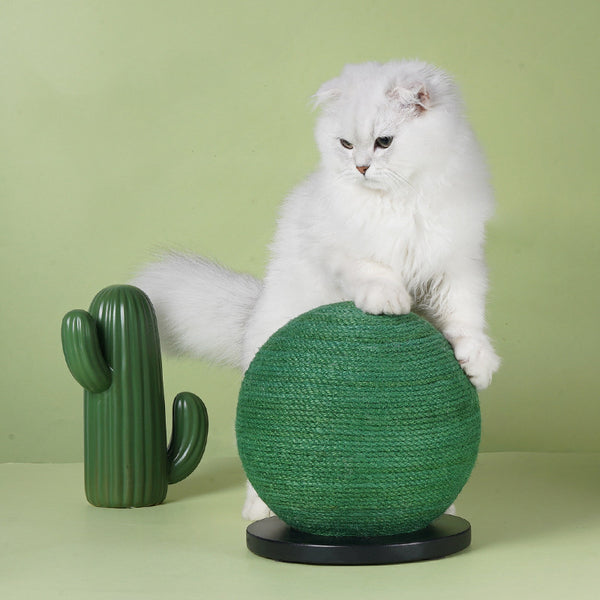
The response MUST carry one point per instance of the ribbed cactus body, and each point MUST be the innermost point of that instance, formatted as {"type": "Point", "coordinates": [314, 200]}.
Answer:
{"type": "Point", "coordinates": [114, 353]}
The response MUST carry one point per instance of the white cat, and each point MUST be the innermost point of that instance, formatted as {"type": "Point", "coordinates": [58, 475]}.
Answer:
{"type": "Point", "coordinates": [392, 219]}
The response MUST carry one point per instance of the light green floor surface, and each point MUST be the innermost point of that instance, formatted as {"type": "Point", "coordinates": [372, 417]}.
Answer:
{"type": "Point", "coordinates": [535, 521]}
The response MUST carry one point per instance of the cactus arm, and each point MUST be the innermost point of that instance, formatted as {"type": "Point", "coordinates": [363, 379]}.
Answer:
{"type": "Point", "coordinates": [188, 440]}
{"type": "Point", "coordinates": [83, 353]}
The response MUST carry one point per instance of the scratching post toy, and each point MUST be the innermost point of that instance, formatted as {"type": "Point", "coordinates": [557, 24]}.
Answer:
{"type": "Point", "coordinates": [358, 431]}
{"type": "Point", "coordinates": [113, 351]}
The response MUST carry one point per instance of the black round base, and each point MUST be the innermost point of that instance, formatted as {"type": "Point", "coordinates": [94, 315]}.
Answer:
{"type": "Point", "coordinates": [274, 539]}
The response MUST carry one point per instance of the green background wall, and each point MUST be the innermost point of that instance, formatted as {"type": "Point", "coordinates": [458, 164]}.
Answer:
{"type": "Point", "coordinates": [127, 127]}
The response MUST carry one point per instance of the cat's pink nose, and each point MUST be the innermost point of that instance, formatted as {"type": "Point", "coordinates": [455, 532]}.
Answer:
{"type": "Point", "coordinates": [363, 170]}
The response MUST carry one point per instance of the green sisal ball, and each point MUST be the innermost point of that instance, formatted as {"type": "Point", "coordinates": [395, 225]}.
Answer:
{"type": "Point", "coordinates": [351, 424]}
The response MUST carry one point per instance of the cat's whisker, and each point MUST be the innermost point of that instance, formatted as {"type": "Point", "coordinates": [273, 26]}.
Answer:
{"type": "Point", "coordinates": [395, 176]}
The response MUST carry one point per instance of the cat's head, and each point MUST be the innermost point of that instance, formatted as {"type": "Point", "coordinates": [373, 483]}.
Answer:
{"type": "Point", "coordinates": [382, 125]}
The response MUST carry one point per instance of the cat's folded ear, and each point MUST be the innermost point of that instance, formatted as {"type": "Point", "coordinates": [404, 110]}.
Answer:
{"type": "Point", "coordinates": [415, 96]}
{"type": "Point", "coordinates": [326, 94]}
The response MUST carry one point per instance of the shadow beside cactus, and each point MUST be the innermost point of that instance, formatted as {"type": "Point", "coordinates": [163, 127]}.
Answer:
{"type": "Point", "coordinates": [220, 474]}
{"type": "Point", "coordinates": [113, 351]}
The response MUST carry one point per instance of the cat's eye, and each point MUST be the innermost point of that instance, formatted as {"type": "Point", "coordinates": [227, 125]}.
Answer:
{"type": "Point", "coordinates": [383, 142]}
{"type": "Point", "coordinates": [346, 144]}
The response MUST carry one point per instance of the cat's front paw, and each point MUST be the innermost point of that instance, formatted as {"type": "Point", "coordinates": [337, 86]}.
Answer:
{"type": "Point", "coordinates": [382, 297]}
{"type": "Point", "coordinates": [477, 359]}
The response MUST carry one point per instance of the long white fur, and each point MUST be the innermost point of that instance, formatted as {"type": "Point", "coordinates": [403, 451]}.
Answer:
{"type": "Point", "coordinates": [406, 235]}
{"type": "Point", "coordinates": [202, 308]}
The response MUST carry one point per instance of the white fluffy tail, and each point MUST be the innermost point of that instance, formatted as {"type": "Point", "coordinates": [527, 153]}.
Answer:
{"type": "Point", "coordinates": [202, 308]}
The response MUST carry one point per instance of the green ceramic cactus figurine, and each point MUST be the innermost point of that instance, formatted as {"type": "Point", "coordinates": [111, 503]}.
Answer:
{"type": "Point", "coordinates": [114, 353]}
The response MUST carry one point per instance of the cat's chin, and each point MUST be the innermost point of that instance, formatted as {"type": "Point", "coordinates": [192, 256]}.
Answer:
{"type": "Point", "coordinates": [372, 185]}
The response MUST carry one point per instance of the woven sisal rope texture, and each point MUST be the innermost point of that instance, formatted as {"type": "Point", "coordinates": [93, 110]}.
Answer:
{"type": "Point", "coordinates": [351, 424]}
